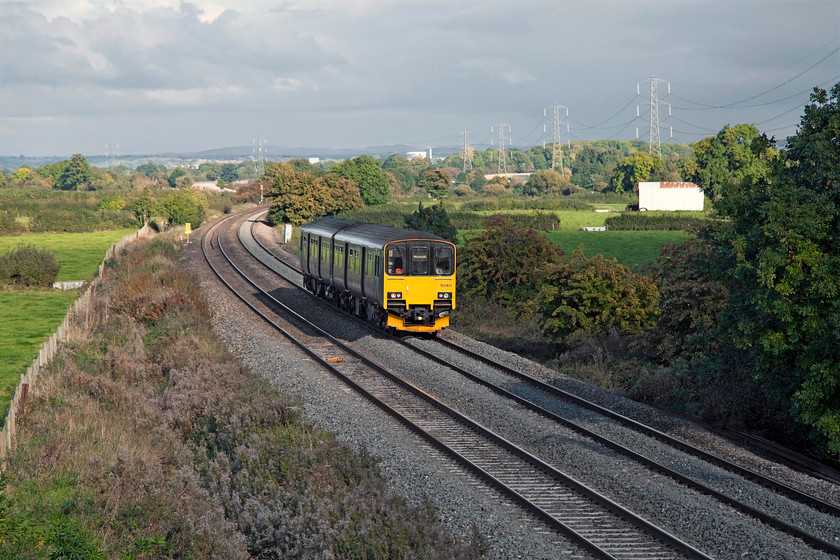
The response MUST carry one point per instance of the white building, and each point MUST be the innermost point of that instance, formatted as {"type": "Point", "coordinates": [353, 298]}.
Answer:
{"type": "Point", "coordinates": [670, 195]}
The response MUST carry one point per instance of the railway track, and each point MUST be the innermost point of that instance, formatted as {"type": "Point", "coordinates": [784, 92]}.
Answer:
{"type": "Point", "coordinates": [828, 541]}
{"type": "Point", "coordinates": [437, 351]}
{"type": "Point", "coordinates": [595, 524]}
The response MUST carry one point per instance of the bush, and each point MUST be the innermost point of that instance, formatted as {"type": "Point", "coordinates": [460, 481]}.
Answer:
{"type": "Point", "coordinates": [28, 266]}
{"type": "Point", "coordinates": [637, 221]}
{"type": "Point", "coordinates": [595, 295]}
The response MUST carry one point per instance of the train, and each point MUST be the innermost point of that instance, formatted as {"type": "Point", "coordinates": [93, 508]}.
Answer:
{"type": "Point", "coordinates": [399, 279]}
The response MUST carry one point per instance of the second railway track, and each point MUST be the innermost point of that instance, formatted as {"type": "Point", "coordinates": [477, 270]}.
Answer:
{"type": "Point", "coordinates": [818, 542]}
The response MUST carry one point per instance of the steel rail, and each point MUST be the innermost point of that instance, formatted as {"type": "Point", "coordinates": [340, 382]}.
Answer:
{"type": "Point", "coordinates": [660, 535]}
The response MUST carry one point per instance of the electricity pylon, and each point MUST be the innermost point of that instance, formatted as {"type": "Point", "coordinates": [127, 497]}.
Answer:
{"type": "Point", "coordinates": [502, 159]}
{"type": "Point", "coordinates": [557, 150]}
{"type": "Point", "coordinates": [654, 138]}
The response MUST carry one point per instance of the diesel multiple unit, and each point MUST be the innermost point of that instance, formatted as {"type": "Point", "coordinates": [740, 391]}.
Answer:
{"type": "Point", "coordinates": [395, 278]}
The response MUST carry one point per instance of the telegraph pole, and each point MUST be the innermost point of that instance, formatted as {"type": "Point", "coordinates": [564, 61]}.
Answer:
{"type": "Point", "coordinates": [502, 158]}
{"type": "Point", "coordinates": [557, 150]}
{"type": "Point", "coordinates": [654, 138]}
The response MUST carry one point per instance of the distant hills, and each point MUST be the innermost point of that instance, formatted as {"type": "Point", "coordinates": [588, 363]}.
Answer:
{"type": "Point", "coordinates": [234, 153]}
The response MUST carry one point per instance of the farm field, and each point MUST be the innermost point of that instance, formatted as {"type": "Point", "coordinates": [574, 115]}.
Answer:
{"type": "Point", "coordinates": [633, 249]}
{"type": "Point", "coordinates": [31, 316]}
{"type": "Point", "coordinates": [78, 253]}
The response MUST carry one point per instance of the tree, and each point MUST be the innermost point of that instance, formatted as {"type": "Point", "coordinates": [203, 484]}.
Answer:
{"type": "Point", "coordinates": [176, 174]}
{"type": "Point", "coordinates": [542, 182]}
{"type": "Point", "coordinates": [781, 258]}
{"type": "Point", "coordinates": [143, 206]}
{"type": "Point", "coordinates": [436, 183]}
{"type": "Point", "coordinates": [298, 197]}
{"type": "Point", "coordinates": [633, 170]}
{"type": "Point", "coordinates": [76, 174]}
{"type": "Point", "coordinates": [368, 176]}
{"type": "Point", "coordinates": [433, 219]}
{"type": "Point", "coordinates": [594, 295]}
{"type": "Point", "coordinates": [724, 161]}
{"type": "Point", "coordinates": [184, 206]}
{"type": "Point", "coordinates": [229, 173]}
{"type": "Point", "coordinates": [506, 263]}
{"type": "Point", "coordinates": [151, 170]}
{"type": "Point", "coordinates": [401, 168]}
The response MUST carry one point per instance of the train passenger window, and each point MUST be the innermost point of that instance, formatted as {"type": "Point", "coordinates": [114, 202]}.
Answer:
{"type": "Point", "coordinates": [443, 260]}
{"type": "Point", "coordinates": [325, 253]}
{"type": "Point", "coordinates": [419, 261]}
{"type": "Point", "coordinates": [396, 260]}
{"type": "Point", "coordinates": [369, 265]}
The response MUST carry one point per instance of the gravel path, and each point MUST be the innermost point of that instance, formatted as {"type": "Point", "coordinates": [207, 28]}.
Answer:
{"type": "Point", "coordinates": [422, 475]}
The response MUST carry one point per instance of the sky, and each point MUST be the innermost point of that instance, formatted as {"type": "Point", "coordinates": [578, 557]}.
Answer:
{"type": "Point", "coordinates": [153, 76]}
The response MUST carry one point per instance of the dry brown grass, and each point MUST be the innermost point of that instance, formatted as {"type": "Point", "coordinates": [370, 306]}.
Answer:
{"type": "Point", "coordinates": [146, 439]}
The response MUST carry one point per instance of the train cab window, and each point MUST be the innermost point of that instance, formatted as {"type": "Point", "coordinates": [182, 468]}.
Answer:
{"type": "Point", "coordinates": [419, 261]}
{"type": "Point", "coordinates": [443, 260]}
{"type": "Point", "coordinates": [395, 262]}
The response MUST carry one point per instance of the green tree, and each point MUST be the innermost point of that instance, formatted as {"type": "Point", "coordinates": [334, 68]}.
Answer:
{"type": "Point", "coordinates": [76, 174]}
{"type": "Point", "coordinates": [633, 170]}
{"type": "Point", "coordinates": [506, 263]}
{"type": "Point", "coordinates": [435, 182]}
{"type": "Point", "coordinates": [143, 206]}
{"type": "Point", "coordinates": [184, 206]}
{"type": "Point", "coordinates": [594, 295]}
{"type": "Point", "coordinates": [401, 168]}
{"type": "Point", "coordinates": [368, 176]}
{"type": "Point", "coordinates": [176, 174]}
{"type": "Point", "coordinates": [151, 170]}
{"type": "Point", "coordinates": [433, 219]}
{"type": "Point", "coordinates": [781, 257]}
{"type": "Point", "coordinates": [229, 173]}
{"type": "Point", "coordinates": [722, 162]}
{"type": "Point", "coordinates": [542, 182]}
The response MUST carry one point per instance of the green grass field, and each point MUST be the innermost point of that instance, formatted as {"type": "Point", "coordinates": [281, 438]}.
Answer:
{"type": "Point", "coordinates": [633, 249]}
{"type": "Point", "coordinates": [29, 317]}
{"type": "Point", "coordinates": [78, 253]}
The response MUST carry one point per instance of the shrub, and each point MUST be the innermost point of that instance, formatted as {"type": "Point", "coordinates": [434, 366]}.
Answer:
{"type": "Point", "coordinates": [507, 262]}
{"type": "Point", "coordinates": [595, 295]}
{"type": "Point", "coordinates": [29, 266]}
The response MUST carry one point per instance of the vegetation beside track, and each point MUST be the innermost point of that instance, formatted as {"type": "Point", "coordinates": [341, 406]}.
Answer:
{"type": "Point", "coordinates": [146, 439]}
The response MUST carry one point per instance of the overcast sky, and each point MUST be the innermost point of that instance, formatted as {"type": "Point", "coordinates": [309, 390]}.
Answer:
{"type": "Point", "coordinates": [161, 75]}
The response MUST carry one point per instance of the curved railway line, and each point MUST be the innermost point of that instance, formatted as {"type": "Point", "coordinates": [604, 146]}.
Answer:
{"type": "Point", "coordinates": [596, 524]}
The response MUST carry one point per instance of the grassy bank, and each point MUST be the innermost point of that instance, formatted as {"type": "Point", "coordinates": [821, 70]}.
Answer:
{"type": "Point", "coordinates": [147, 439]}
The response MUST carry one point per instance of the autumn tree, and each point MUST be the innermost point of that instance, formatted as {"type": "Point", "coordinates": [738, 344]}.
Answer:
{"type": "Point", "coordinates": [298, 197]}
{"type": "Point", "coordinates": [435, 182]}
{"type": "Point", "coordinates": [506, 263]}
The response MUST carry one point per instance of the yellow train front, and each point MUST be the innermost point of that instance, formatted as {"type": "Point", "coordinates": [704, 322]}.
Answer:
{"type": "Point", "coordinates": [396, 278]}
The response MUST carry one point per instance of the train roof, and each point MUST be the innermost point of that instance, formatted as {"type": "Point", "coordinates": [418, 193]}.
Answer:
{"type": "Point", "coordinates": [373, 235]}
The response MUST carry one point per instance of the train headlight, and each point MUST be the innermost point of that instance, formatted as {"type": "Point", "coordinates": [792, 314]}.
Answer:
{"type": "Point", "coordinates": [394, 295]}
{"type": "Point", "coordinates": [444, 295]}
